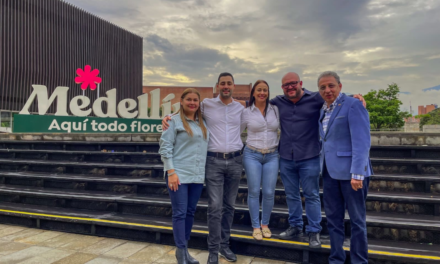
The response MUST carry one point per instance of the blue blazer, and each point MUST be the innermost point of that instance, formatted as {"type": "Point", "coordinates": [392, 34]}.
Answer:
{"type": "Point", "coordinates": [346, 143]}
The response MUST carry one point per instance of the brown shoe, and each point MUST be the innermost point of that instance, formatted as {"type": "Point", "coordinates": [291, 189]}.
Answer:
{"type": "Point", "coordinates": [257, 234]}
{"type": "Point", "coordinates": [266, 232]}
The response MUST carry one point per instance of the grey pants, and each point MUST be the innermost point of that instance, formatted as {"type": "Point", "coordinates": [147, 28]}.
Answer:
{"type": "Point", "coordinates": [222, 180]}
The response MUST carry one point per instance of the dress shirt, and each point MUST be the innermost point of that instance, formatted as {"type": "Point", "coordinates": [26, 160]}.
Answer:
{"type": "Point", "coordinates": [262, 132]}
{"type": "Point", "coordinates": [223, 122]}
{"type": "Point", "coordinates": [183, 153]}
{"type": "Point", "coordinates": [299, 126]}
{"type": "Point", "coordinates": [328, 110]}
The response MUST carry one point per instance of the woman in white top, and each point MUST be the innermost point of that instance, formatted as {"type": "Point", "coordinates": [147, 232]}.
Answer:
{"type": "Point", "coordinates": [260, 156]}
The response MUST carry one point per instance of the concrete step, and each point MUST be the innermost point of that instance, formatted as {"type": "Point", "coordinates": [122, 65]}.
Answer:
{"type": "Point", "coordinates": [76, 167]}
{"type": "Point", "coordinates": [380, 165]}
{"type": "Point", "coordinates": [400, 227]}
{"type": "Point", "coordinates": [385, 201]}
{"type": "Point", "coordinates": [405, 151]}
{"type": "Point", "coordinates": [108, 146]}
{"type": "Point", "coordinates": [80, 156]}
{"type": "Point", "coordinates": [402, 151]}
{"type": "Point", "coordinates": [159, 230]}
{"type": "Point", "coordinates": [406, 166]}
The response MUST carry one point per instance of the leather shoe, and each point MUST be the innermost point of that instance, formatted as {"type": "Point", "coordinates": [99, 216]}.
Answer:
{"type": "Point", "coordinates": [213, 258]}
{"type": "Point", "coordinates": [314, 241]}
{"type": "Point", "coordinates": [228, 254]}
{"type": "Point", "coordinates": [291, 233]}
{"type": "Point", "coordinates": [190, 259]}
{"type": "Point", "coordinates": [181, 256]}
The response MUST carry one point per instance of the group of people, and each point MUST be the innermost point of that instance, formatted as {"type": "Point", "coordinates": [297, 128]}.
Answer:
{"type": "Point", "coordinates": [322, 133]}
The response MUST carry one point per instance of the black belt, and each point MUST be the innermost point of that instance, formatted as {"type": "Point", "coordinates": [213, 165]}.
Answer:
{"type": "Point", "coordinates": [221, 155]}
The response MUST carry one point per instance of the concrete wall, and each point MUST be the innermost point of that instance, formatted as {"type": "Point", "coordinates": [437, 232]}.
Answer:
{"type": "Point", "coordinates": [412, 127]}
{"type": "Point", "coordinates": [403, 138]}
{"type": "Point", "coordinates": [377, 138]}
{"type": "Point", "coordinates": [431, 128]}
{"type": "Point", "coordinates": [82, 137]}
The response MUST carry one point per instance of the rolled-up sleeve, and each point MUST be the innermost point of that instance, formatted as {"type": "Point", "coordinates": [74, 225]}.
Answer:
{"type": "Point", "coordinates": [166, 144]}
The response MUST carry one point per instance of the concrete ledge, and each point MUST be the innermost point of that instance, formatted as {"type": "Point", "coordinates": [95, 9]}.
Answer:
{"type": "Point", "coordinates": [405, 138]}
{"type": "Point", "coordinates": [377, 138]}
{"type": "Point", "coordinates": [82, 137]}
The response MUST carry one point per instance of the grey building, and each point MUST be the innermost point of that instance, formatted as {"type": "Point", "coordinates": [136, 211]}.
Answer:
{"type": "Point", "coordinates": [45, 41]}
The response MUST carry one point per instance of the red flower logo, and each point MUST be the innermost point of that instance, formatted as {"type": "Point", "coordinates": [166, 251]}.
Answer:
{"type": "Point", "coordinates": [87, 77]}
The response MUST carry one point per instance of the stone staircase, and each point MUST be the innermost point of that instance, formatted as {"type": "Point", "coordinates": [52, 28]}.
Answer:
{"type": "Point", "coordinates": [116, 189]}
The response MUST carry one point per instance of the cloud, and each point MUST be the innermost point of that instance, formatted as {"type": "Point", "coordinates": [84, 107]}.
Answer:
{"type": "Point", "coordinates": [370, 43]}
{"type": "Point", "coordinates": [432, 88]}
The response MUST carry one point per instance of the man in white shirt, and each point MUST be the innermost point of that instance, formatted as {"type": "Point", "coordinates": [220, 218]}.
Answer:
{"type": "Point", "coordinates": [223, 166]}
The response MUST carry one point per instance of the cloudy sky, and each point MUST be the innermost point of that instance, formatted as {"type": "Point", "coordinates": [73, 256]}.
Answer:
{"type": "Point", "coordinates": [369, 43]}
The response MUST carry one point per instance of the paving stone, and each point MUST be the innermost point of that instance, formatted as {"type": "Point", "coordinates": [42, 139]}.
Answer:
{"type": "Point", "coordinates": [202, 257]}
{"type": "Point", "coordinates": [240, 260]}
{"type": "Point", "coordinates": [126, 261]}
{"type": "Point", "coordinates": [48, 257]}
{"type": "Point", "coordinates": [24, 254]}
{"type": "Point", "coordinates": [126, 250]}
{"type": "Point", "coordinates": [76, 258]}
{"type": "Point", "coordinates": [84, 242]}
{"type": "Point", "coordinates": [40, 237]}
{"type": "Point", "coordinates": [60, 240]}
{"type": "Point", "coordinates": [8, 247]}
{"type": "Point", "coordinates": [10, 230]}
{"type": "Point", "coordinates": [4, 226]}
{"type": "Point", "coordinates": [266, 261]}
{"type": "Point", "coordinates": [103, 246]}
{"type": "Point", "coordinates": [104, 260]}
{"type": "Point", "coordinates": [22, 234]}
{"type": "Point", "coordinates": [151, 253]}
{"type": "Point", "coordinates": [169, 257]}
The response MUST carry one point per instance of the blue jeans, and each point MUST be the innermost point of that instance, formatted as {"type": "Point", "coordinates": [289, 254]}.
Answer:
{"type": "Point", "coordinates": [305, 172]}
{"type": "Point", "coordinates": [261, 170]}
{"type": "Point", "coordinates": [184, 203]}
{"type": "Point", "coordinates": [222, 181]}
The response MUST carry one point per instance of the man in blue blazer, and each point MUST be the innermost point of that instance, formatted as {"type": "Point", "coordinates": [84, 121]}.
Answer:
{"type": "Point", "coordinates": [344, 128]}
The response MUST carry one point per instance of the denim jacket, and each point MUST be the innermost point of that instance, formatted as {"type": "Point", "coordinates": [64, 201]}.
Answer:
{"type": "Point", "coordinates": [183, 153]}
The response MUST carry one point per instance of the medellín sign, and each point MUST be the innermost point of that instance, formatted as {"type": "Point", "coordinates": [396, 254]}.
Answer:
{"type": "Point", "coordinates": [132, 120]}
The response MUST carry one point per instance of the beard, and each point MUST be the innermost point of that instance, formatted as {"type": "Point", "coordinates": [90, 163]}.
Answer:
{"type": "Point", "coordinates": [296, 95]}
{"type": "Point", "coordinates": [226, 96]}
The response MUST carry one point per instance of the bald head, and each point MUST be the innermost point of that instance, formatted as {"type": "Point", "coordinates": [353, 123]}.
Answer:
{"type": "Point", "coordinates": [290, 75]}
{"type": "Point", "coordinates": [292, 86]}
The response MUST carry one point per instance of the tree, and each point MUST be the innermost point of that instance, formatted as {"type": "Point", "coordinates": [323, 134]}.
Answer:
{"type": "Point", "coordinates": [432, 118]}
{"type": "Point", "coordinates": [384, 108]}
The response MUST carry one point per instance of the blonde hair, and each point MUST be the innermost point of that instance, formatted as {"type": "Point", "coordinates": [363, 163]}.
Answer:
{"type": "Point", "coordinates": [198, 114]}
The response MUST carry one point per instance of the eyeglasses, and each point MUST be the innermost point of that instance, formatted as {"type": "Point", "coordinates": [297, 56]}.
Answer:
{"type": "Point", "coordinates": [287, 85]}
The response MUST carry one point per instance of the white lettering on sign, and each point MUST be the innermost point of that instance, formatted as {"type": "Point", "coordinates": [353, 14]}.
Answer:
{"type": "Point", "coordinates": [79, 105]}
{"type": "Point", "coordinates": [40, 92]}
{"type": "Point", "coordinates": [76, 108]}
{"type": "Point", "coordinates": [97, 126]}
{"type": "Point", "coordinates": [111, 105]}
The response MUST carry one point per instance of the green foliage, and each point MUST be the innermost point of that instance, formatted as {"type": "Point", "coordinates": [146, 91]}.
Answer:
{"type": "Point", "coordinates": [384, 108]}
{"type": "Point", "coordinates": [160, 111]}
{"type": "Point", "coordinates": [433, 118]}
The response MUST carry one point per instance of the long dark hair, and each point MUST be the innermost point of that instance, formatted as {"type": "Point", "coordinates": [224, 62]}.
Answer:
{"type": "Point", "coordinates": [252, 99]}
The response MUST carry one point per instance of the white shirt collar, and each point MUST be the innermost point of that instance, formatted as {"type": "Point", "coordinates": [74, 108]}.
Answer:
{"type": "Point", "coordinates": [217, 99]}
{"type": "Point", "coordinates": [252, 107]}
